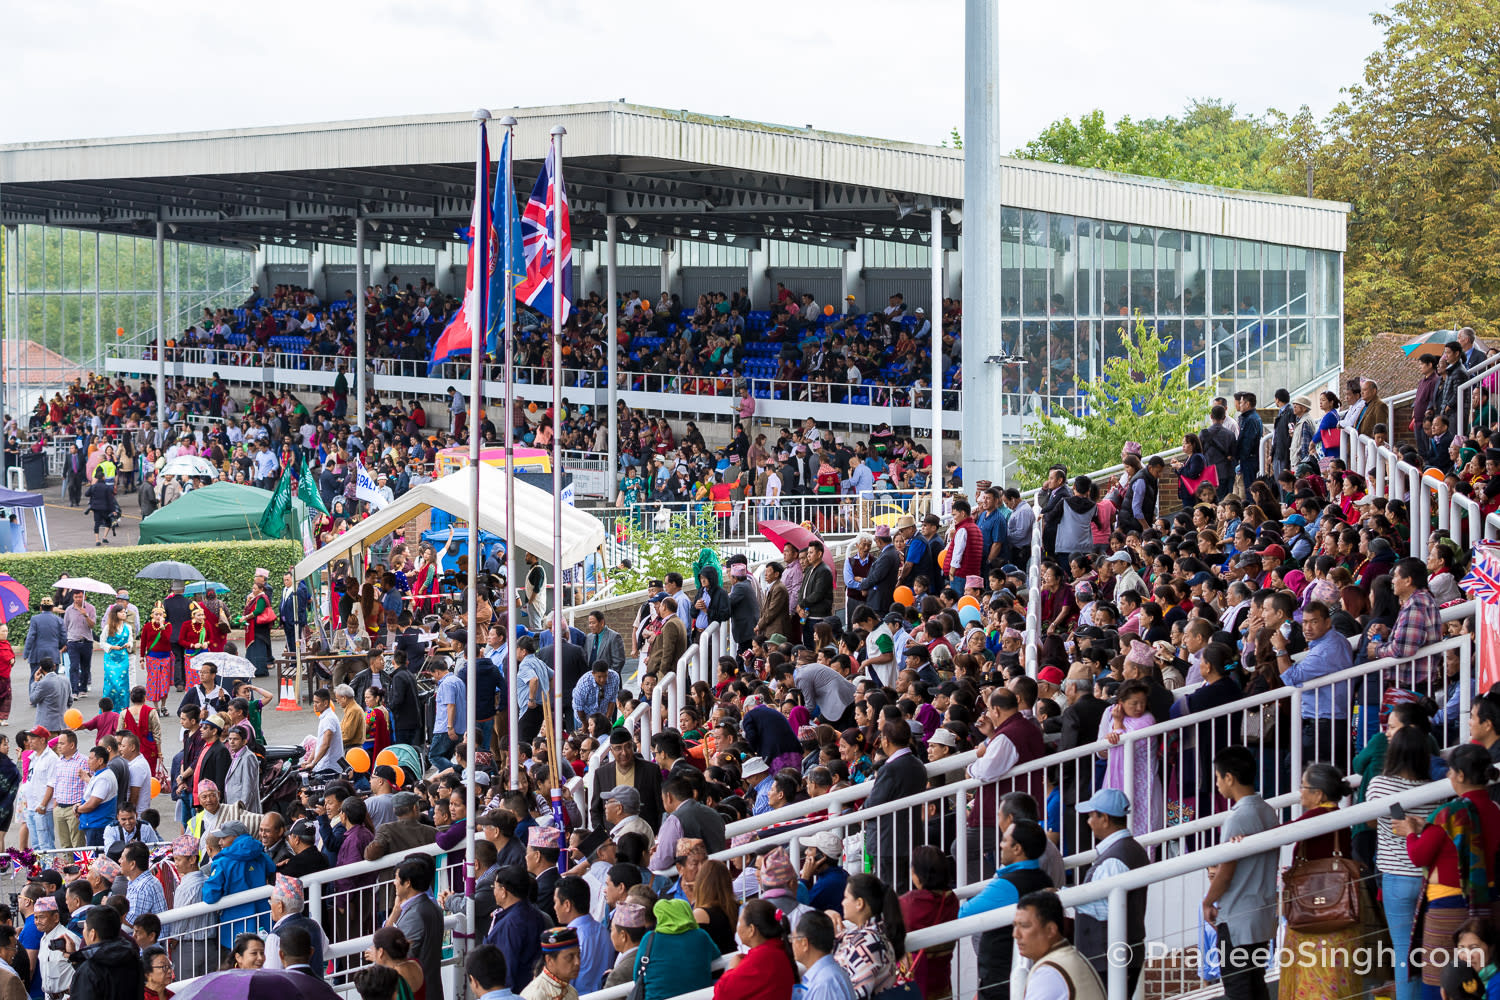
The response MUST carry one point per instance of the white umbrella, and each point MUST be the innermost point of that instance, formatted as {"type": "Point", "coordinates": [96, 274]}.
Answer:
{"type": "Point", "coordinates": [190, 465]}
{"type": "Point", "coordinates": [227, 664]}
{"type": "Point", "coordinates": [84, 583]}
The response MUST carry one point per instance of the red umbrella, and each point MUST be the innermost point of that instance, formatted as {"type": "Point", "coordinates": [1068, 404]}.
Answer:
{"type": "Point", "coordinates": [784, 533]}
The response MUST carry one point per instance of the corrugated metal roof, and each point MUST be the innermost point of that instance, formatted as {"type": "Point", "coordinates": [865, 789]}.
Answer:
{"type": "Point", "coordinates": [629, 139]}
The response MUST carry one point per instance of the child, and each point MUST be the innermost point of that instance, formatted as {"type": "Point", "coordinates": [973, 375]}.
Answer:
{"type": "Point", "coordinates": [147, 930]}
{"type": "Point", "coordinates": [106, 723]}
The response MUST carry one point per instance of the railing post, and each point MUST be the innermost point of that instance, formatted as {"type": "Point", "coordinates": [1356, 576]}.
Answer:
{"type": "Point", "coordinates": [1117, 953]}
{"type": "Point", "coordinates": [961, 843]}
{"type": "Point", "coordinates": [1296, 744]}
{"type": "Point", "coordinates": [1128, 747]}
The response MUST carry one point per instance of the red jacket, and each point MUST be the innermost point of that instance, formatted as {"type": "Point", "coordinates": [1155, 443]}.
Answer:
{"type": "Point", "coordinates": [973, 557]}
{"type": "Point", "coordinates": [765, 973]}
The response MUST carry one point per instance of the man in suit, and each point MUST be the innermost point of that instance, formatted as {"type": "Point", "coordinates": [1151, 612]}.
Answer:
{"type": "Point", "coordinates": [1219, 448]}
{"type": "Point", "coordinates": [293, 609]}
{"type": "Point", "coordinates": [880, 581]}
{"type": "Point", "coordinates": [604, 643]}
{"type": "Point", "coordinates": [901, 775]}
{"type": "Point", "coordinates": [178, 610]}
{"type": "Point", "coordinates": [816, 598]}
{"type": "Point", "coordinates": [671, 642]}
{"type": "Point", "coordinates": [641, 774]}
{"type": "Point", "coordinates": [572, 665]}
{"type": "Point", "coordinates": [1473, 354]}
{"type": "Point", "coordinates": [775, 612]}
{"type": "Point", "coordinates": [1281, 433]}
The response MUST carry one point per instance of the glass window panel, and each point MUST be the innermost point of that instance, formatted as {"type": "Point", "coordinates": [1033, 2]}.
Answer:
{"type": "Point", "coordinates": [1086, 285]}
{"type": "Point", "coordinates": [1273, 279]}
{"type": "Point", "coordinates": [1064, 264]}
{"type": "Point", "coordinates": [1142, 271]}
{"type": "Point", "coordinates": [1298, 262]}
{"type": "Point", "coordinates": [1035, 262]}
{"type": "Point", "coordinates": [1114, 265]}
{"type": "Point", "coordinates": [1247, 290]}
{"type": "Point", "coordinates": [1221, 298]}
{"type": "Point", "coordinates": [1330, 282]}
{"type": "Point", "coordinates": [1010, 262]}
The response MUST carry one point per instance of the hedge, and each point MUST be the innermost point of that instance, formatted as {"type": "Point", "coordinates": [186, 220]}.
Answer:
{"type": "Point", "coordinates": [230, 563]}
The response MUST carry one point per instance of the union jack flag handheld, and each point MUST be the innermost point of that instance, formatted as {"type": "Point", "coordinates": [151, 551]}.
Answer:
{"type": "Point", "coordinates": [1482, 583]}
{"type": "Point", "coordinates": [547, 197]}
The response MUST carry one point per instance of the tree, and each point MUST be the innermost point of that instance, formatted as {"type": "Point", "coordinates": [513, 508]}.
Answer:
{"type": "Point", "coordinates": [1413, 150]}
{"type": "Point", "coordinates": [1135, 400]}
{"type": "Point", "coordinates": [1212, 143]}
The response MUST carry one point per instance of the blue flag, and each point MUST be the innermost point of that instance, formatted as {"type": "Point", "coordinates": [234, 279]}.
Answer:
{"type": "Point", "coordinates": [507, 262]}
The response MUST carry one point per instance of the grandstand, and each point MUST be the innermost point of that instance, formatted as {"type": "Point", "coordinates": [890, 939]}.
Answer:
{"type": "Point", "coordinates": [1244, 287]}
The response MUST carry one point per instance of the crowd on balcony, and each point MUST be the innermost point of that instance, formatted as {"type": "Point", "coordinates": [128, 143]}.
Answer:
{"type": "Point", "coordinates": [794, 347]}
{"type": "Point", "coordinates": [1153, 604]}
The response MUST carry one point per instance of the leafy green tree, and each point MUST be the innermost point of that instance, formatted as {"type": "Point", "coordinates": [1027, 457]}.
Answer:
{"type": "Point", "coordinates": [1413, 150]}
{"type": "Point", "coordinates": [1136, 399]}
{"type": "Point", "coordinates": [1212, 143]}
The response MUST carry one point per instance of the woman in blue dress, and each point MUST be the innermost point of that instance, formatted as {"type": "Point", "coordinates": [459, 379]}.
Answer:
{"type": "Point", "coordinates": [117, 639]}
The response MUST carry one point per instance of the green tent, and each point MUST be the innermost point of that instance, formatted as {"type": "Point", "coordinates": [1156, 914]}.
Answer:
{"type": "Point", "coordinates": [220, 512]}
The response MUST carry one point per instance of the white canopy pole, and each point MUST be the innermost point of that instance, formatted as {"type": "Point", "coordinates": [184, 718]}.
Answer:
{"type": "Point", "coordinates": [554, 747]}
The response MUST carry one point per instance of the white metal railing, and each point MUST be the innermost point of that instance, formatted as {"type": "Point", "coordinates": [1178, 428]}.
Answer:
{"type": "Point", "coordinates": [1484, 373]}
{"type": "Point", "coordinates": [1177, 748]}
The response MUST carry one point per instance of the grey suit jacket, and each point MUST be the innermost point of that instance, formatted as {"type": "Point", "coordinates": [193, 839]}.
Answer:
{"type": "Point", "coordinates": [607, 646]}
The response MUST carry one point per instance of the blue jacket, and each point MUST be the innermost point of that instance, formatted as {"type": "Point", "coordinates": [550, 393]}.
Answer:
{"type": "Point", "coordinates": [241, 866]}
{"type": "Point", "coordinates": [826, 891]}
{"type": "Point", "coordinates": [517, 932]}
{"type": "Point", "coordinates": [997, 892]}
{"type": "Point", "coordinates": [1252, 429]}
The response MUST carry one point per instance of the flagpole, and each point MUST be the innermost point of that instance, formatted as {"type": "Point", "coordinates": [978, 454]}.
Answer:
{"type": "Point", "coordinates": [554, 750]}
{"type": "Point", "coordinates": [478, 328]}
{"type": "Point", "coordinates": [512, 708]}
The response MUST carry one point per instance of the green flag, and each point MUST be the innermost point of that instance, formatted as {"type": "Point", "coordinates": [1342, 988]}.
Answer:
{"type": "Point", "coordinates": [307, 490]}
{"type": "Point", "coordinates": [273, 521]}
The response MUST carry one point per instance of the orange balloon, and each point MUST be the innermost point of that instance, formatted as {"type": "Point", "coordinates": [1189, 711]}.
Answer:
{"type": "Point", "coordinates": [72, 718]}
{"type": "Point", "coordinates": [828, 310]}
{"type": "Point", "coordinates": [155, 787]}
{"type": "Point", "coordinates": [400, 777]}
{"type": "Point", "coordinates": [903, 595]}
{"type": "Point", "coordinates": [358, 759]}
{"type": "Point", "coordinates": [119, 331]}
{"type": "Point", "coordinates": [388, 756]}
{"type": "Point", "coordinates": [968, 602]}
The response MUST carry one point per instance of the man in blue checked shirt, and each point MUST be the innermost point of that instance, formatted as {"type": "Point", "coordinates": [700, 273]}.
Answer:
{"type": "Point", "coordinates": [143, 891]}
{"type": "Point", "coordinates": [759, 779]}
{"type": "Point", "coordinates": [595, 693]}
{"type": "Point", "coordinates": [1328, 652]}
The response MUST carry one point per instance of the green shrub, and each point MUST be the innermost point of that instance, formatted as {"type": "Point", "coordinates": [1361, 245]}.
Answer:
{"type": "Point", "coordinates": [230, 563]}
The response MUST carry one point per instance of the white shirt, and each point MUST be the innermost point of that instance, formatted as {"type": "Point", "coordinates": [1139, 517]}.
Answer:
{"type": "Point", "coordinates": [140, 776]}
{"type": "Point", "coordinates": [1109, 867]}
{"type": "Point", "coordinates": [329, 722]}
{"type": "Point", "coordinates": [999, 757]}
{"type": "Point", "coordinates": [773, 486]}
{"type": "Point", "coordinates": [102, 786]}
{"type": "Point", "coordinates": [1046, 983]}
{"type": "Point", "coordinates": [43, 769]}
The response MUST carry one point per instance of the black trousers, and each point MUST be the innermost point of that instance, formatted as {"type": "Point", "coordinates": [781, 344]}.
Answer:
{"type": "Point", "coordinates": [1243, 967]}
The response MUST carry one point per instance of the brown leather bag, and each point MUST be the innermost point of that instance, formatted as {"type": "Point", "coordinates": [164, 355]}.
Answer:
{"type": "Point", "coordinates": [1321, 895]}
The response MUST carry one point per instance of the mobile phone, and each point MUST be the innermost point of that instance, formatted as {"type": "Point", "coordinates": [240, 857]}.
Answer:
{"type": "Point", "coordinates": [1397, 812]}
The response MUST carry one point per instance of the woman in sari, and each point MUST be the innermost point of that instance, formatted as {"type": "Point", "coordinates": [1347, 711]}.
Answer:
{"type": "Point", "coordinates": [424, 582]}
{"type": "Point", "coordinates": [216, 614]}
{"type": "Point", "coordinates": [377, 722]}
{"type": "Point", "coordinates": [1129, 715]}
{"type": "Point", "coordinates": [1320, 965]}
{"type": "Point", "coordinates": [1453, 846]}
{"type": "Point", "coordinates": [117, 639]}
{"type": "Point", "coordinates": [156, 653]}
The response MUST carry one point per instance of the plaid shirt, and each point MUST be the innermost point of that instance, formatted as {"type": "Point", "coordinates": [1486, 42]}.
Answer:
{"type": "Point", "coordinates": [145, 895]}
{"type": "Point", "coordinates": [1419, 623]}
{"type": "Point", "coordinates": [68, 781]}
{"type": "Point", "coordinates": [589, 697]}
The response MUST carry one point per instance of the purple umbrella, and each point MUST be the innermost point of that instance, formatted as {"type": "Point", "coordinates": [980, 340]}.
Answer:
{"type": "Point", "coordinates": [14, 598]}
{"type": "Point", "coordinates": [256, 984]}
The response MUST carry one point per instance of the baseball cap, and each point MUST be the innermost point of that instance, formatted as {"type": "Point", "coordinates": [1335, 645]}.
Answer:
{"type": "Point", "coordinates": [1119, 557]}
{"type": "Point", "coordinates": [1199, 578]}
{"type": "Point", "coordinates": [627, 795]}
{"type": "Point", "coordinates": [1050, 674]}
{"type": "Point", "coordinates": [1110, 801]}
{"type": "Point", "coordinates": [386, 771]}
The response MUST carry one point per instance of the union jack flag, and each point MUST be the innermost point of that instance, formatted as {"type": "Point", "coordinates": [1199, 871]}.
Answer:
{"type": "Point", "coordinates": [1482, 582]}
{"type": "Point", "coordinates": [548, 198]}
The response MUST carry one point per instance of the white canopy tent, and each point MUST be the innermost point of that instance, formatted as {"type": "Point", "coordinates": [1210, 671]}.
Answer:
{"type": "Point", "coordinates": [582, 533]}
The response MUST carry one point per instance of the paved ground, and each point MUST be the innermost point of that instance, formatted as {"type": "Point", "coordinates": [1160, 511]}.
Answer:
{"type": "Point", "coordinates": [73, 527]}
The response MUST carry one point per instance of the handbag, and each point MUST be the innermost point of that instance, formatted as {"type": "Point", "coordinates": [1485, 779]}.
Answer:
{"type": "Point", "coordinates": [1260, 723]}
{"type": "Point", "coordinates": [1321, 895]}
{"type": "Point", "coordinates": [638, 991]}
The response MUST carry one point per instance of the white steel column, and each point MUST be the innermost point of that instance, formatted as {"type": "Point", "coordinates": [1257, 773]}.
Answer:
{"type": "Point", "coordinates": [161, 326]}
{"type": "Point", "coordinates": [981, 246]}
{"type": "Point", "coordinates": [360, 280]}
{"type": "Point", "coordinates": [611, 320]}
{"type": "Point", "coordinates": [98, 322]}
{"type": "Point", "coordinates": [935, 342]}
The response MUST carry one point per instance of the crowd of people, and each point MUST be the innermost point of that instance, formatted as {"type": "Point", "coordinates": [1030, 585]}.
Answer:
{"type": "Point", "coordinates": [1267, 577]}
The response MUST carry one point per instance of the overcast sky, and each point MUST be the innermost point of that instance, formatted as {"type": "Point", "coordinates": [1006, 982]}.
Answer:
{"type": "Point", "coordinates": [883, 68]}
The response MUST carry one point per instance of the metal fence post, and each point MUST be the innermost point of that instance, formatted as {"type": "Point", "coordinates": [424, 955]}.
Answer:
{"type": "Point", "coordinates": [1117, 954]}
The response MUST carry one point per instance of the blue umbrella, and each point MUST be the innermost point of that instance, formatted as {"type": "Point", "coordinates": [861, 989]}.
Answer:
{"type": "Point", "coordinates": [198, 586]}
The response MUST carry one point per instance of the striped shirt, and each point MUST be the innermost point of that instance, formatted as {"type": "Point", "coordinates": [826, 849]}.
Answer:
{"type": "Point", "coordinates": [1390, 850]}
{"type": "Point", "coordinates": [68, 781]}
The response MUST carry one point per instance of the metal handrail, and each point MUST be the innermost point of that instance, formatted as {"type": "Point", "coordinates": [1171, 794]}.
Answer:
{"type": "Point", "coordinates": [1294, 695]}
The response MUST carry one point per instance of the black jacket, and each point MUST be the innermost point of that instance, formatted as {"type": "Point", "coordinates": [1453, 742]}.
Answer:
{"type": "Point", "coordinates": [647, 782]}
{"type": "Point", "coordinates": [891, 834]}
{"type": "Point", "coordinates": [401, 699]}
{"type": "Point", "coordinates": [110, 970]}
{"type": "Point", "coordinates": [880, 581]}
{"type": "Point", "coordinates": [744, 610]}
